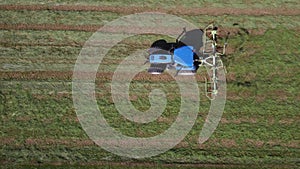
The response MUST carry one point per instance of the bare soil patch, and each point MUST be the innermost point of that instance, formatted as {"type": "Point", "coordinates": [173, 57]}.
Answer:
{"type": "Point", "coordinates": [7, 140]}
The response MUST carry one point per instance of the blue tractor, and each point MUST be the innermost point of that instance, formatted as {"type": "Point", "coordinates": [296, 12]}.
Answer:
{"type": "Point", "coordinates": [183, 55]}
{"type": "Point", "coordinates": [191, 50]}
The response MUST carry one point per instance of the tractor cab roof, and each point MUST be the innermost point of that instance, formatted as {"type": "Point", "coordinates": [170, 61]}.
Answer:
{"type": "Point", "coordinates": [192, 38]}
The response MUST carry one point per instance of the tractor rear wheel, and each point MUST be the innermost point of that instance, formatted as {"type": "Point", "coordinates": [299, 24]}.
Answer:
{"type": "Point", "coordinates": [159, 44]}
{"type": "Point", "coordinates": [160, 47]}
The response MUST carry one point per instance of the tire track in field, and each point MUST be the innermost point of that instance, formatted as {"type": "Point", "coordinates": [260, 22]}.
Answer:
{"type": "Point", "coordinates": [221, 143]}
{"type": "Point", "coordinates": [9, 44]}
{"type": "Point", "coordinates": [116, 29]}
{"type": "Point", "coordinates": [173, 10]}
{"type": "Point", "coordinates": [67, 75]}
{"type": "Point", "coordinates": [6, 43]}
{"type": "Point", "coordinates": [103, 76]}
{"type": "Point", "coordinates": [55, 27]}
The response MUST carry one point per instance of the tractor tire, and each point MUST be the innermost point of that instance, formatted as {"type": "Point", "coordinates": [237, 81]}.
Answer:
{"type": "Point", "coordinates": [160, 47]}
{"type": "Point", "coordinates": [159, 44]}
{"type": "Point", "coordinates": [157, 68]}
{"type": "Point", "coordinates": [187, 72]}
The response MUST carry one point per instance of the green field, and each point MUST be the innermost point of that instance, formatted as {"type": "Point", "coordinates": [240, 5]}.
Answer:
{"type": "Point", "coordinates": [39, 127]}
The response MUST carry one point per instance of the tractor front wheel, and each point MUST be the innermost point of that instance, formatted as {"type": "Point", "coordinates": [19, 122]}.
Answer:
{"type": "Point", "coordinates": [157, 68]}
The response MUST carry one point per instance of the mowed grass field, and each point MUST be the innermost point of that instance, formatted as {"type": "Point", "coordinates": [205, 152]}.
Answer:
{"type": "Point", "coordinates": [39, 45]}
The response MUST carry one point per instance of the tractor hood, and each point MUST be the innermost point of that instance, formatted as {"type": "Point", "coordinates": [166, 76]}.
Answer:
{"type": "Point", "coordinates": [184, 56]}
